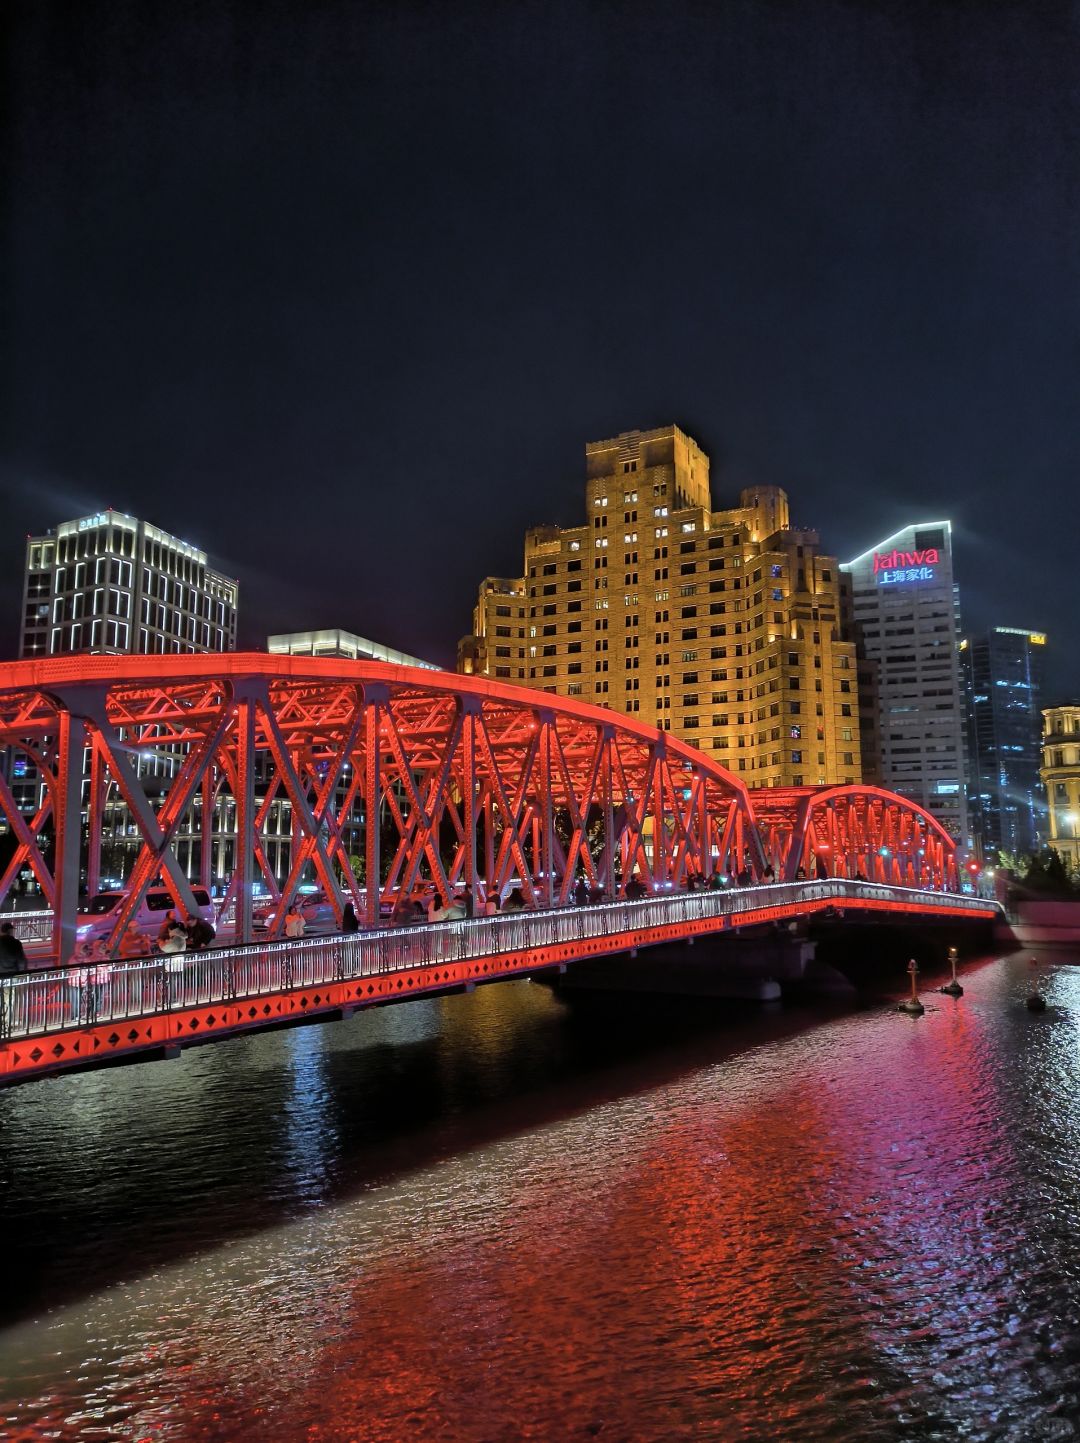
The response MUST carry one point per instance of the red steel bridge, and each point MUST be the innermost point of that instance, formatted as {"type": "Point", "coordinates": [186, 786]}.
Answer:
{"type": "Point", "coordinates": [420, 779]}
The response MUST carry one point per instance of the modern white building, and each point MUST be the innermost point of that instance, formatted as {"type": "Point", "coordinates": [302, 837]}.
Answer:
{"type": "Point", "coordinates": [907, 615]}
{"type": "Point", "coordinates": [112, 583]}
{"type": "Point", "coordinates": [340, 643]}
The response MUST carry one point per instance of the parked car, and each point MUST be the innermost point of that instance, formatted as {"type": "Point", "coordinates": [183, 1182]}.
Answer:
{"type": "Point", "coordinates": [316, 909]}
{"type": "Point", "coordinates": [98, 917]}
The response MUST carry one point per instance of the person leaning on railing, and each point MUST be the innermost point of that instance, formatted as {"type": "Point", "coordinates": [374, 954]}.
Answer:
{"type": "Point", "coordinates": [12, 954]}
{"type": "Point", "coordinates": [133, 943]}
{"type": "Point", "coordinates": [200, 934]}
{"type": "Point", "coordinates": [172, 937]}
{"type": "Point", "coordinates": [95, 977]}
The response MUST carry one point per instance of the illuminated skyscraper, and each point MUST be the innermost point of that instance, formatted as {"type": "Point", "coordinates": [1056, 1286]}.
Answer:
{"type": "Point", "coordinates": [725, 627]}
{"type": "Point", "coordinates": [1002, 672]}
{"type": "Point", "coordinates": [111, 583]}
{"type": "Point", "coordinates": [907, 616]}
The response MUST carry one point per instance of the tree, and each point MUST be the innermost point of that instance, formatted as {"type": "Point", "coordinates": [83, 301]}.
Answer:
{"type": "Point", "coordinates": [1047, 873]}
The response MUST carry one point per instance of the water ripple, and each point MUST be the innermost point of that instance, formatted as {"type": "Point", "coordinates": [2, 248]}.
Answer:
{"type": "Point", "coordinates": [491, 1219]}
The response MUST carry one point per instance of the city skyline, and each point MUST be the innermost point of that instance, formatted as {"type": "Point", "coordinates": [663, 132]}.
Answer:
{"type": "Point", "coordinates": [504, 930]}
{"type": "Point", "coordinates": [836, 244]}
{"type": "Point", "coordinates": [252, 633]}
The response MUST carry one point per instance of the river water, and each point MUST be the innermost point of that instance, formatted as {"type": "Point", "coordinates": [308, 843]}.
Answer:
{"type": "Point", "coordinates": [497, 1217]}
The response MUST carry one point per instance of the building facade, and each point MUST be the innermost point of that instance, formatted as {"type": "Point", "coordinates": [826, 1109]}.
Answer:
{"type": "Point", "coordinates": [110, 583]}
{"type": "Point", "coordinates": [341, 643]}
{"type": "Point", "coordinates": [1060, 775]}
{"type": "Point", "coordinates": [907, 618]}
{"type": "Point", "coordinates": [1002, 671]}
{"type": "Point", "coordinates": [725, 627]}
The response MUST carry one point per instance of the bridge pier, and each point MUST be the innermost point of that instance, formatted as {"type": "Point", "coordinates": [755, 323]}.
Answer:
{"type": "Point", "coordinates": [874, 953]}
{"type": "Point", "coordinates": [747, 967]}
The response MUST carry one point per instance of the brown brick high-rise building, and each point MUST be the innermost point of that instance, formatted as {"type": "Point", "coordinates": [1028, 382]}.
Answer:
{"type": "Point", "coordinates": [724, 627]}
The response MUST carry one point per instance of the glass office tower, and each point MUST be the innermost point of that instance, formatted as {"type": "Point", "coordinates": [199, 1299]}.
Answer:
{"type": "Point", "coordinates": [1002, 671]}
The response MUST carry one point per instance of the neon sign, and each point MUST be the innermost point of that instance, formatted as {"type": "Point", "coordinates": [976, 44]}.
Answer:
{"type": "Point", "coordinates": [893, 566]}
{"type": "Point", "coordinates": [89, 522]}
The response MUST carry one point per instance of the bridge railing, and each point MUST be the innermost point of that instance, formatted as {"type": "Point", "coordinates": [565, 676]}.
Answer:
{"type": "Point", "coordinates": [30, 926]}
{"type": "Point", "coordinates": [37, 1004]}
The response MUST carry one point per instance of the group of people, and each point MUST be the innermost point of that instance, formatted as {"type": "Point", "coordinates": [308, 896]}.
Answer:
{"type": "Point", "coordinates": [194, 933]}
{"type": "Point", "coordinates": [174, 936]}
{"type": "Point", "coordinates": [413, 911]}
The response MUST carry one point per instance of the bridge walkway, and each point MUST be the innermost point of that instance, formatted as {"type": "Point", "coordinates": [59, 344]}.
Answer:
{"type": "Point", "coordinates": [81, 1015]}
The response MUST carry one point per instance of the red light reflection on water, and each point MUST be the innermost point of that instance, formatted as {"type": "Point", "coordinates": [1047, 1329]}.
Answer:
{"type": "Point", "coordinates": [794, 1243]}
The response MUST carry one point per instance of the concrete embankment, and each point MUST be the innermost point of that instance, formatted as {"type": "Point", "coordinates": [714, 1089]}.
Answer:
{"type": "Point", "coordinates": [1043, 924]}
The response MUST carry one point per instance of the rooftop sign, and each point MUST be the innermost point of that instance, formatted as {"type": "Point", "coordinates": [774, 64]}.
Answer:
{"type": "Point", "coordinates": [894, 566]}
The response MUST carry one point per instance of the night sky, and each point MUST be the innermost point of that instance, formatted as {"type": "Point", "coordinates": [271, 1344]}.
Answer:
{"type": "Point", "coordinates": [339, 291]}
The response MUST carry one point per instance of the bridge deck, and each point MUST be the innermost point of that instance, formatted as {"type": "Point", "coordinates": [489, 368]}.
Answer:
{"type": "Point", "coordinates": [80, 1016]}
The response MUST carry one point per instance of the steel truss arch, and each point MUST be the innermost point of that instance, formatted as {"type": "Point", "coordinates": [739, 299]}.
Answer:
{"type": "Point", "coordinates": [854, 831]}
{"type": "Point", "coordinates": [383, 772]}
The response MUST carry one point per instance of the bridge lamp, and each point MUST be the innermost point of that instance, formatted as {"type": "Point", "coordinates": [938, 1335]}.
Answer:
{"type": "Point", "coordinates": [883, 852]}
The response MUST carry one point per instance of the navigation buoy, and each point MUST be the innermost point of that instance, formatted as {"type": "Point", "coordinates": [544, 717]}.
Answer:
{"type": "Point", "coordinates": [1036, 1002]}
{"type": "Point", "coordinates": [953, 988]}
{"type": "Point", "coordinates": [912, 1004]}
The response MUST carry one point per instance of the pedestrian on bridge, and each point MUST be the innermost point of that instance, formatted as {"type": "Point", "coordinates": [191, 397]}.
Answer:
{"type": "Point", "coordinates": [581, 892]}
{"type": "Point", "coordinates": [172, 937]}
{"type": "Point", "coordinates": [96, 976]}
{"type": "Point", "coordinates": [12, 953]}
{"type": "Point", "coordinates": [133, 943]}
{"type": "Point", "coordinates": [295, 925]}
{"type": "Point", "coordinates": [349, 922]}
{"type": "Point", "coordinates": [200, 934]}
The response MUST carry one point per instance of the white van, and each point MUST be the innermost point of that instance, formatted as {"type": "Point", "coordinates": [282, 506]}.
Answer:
{"type": "Point", "coordinates": [98, 918]}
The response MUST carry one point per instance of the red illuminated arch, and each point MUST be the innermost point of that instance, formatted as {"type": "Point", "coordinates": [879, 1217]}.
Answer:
{"type": "Point", "coordinates": [475, 784]}
{"type": "Point", "coordinates": [851, 830]}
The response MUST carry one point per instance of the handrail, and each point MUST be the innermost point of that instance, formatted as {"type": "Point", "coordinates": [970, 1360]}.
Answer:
{"type": "Point", "coordinates": [38, 1004]}
{"type": "Point", "coordinates": [28, 926]}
